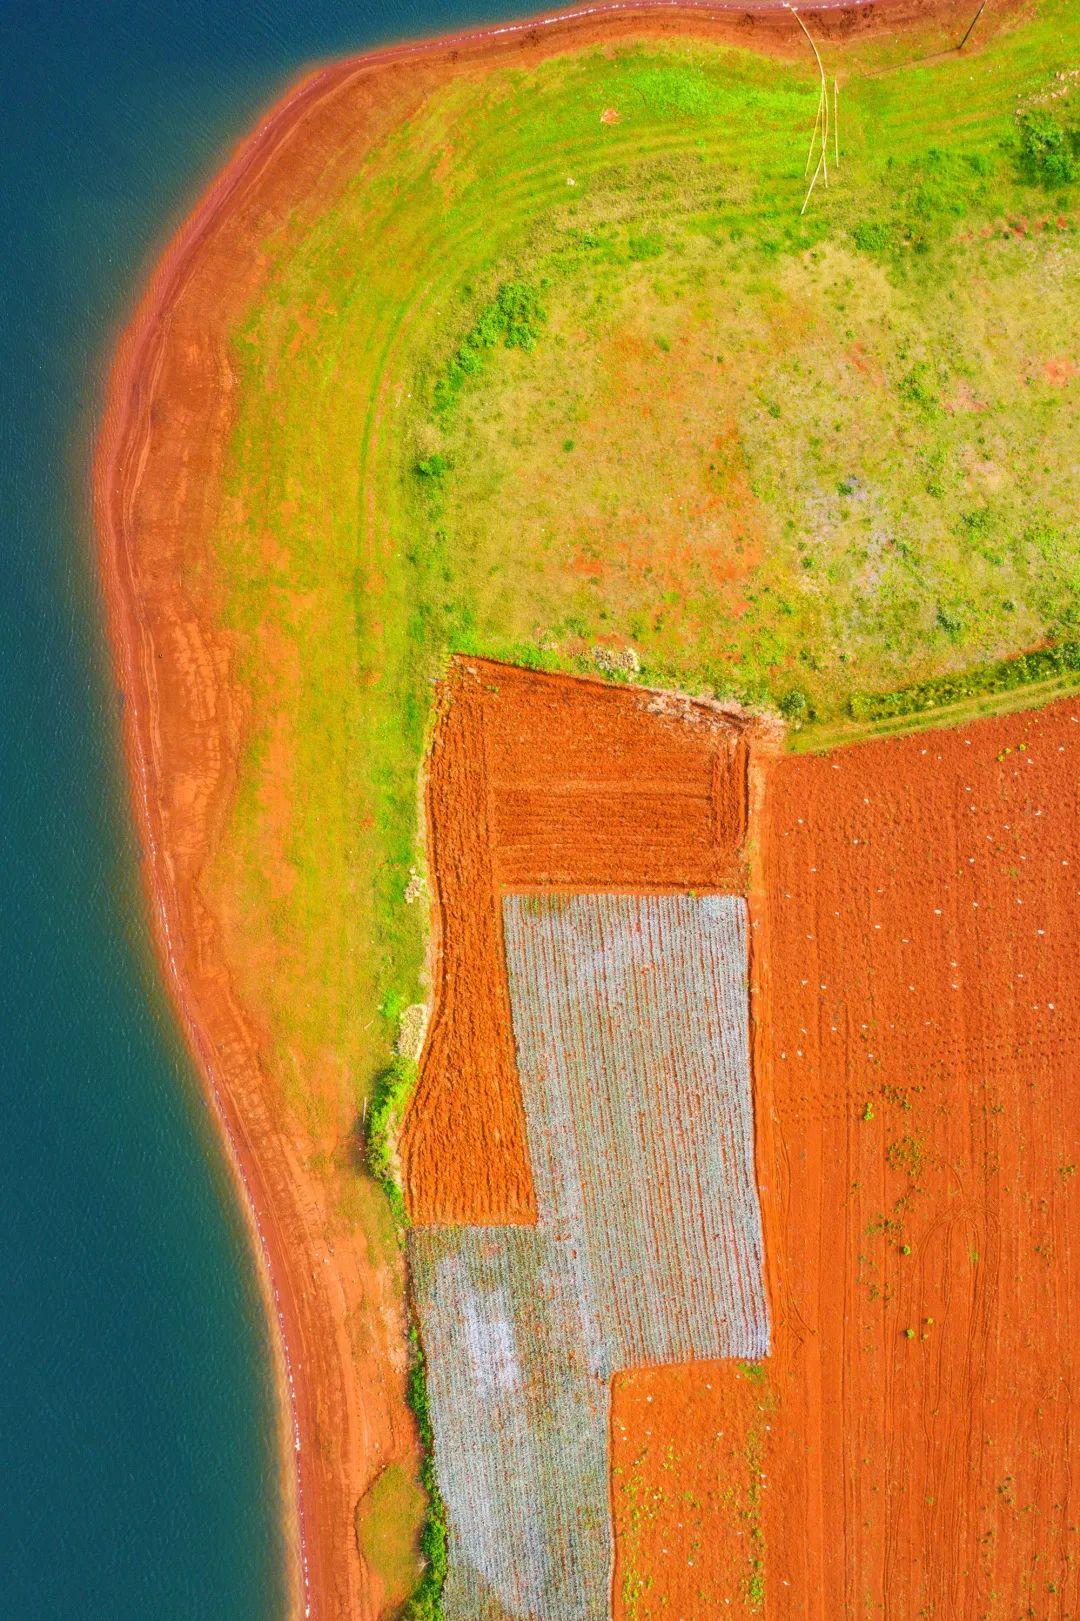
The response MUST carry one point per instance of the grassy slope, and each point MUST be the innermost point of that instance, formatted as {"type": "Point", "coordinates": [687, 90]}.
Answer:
{"type": "Point", "coordinates": [767, 456]}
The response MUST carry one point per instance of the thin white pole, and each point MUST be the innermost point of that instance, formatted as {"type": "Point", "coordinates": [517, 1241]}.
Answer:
{"type": "Point", "coordinates": [836, 119]}
{"type": "Point", "coordinates": [823, 101]}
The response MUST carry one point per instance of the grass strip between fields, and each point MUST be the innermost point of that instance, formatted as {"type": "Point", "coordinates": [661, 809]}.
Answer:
{"type": "Point", "coordinates": [1024, 682]}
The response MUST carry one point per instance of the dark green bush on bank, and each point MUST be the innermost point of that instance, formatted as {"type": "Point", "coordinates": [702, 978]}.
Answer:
{"type": "Point", "coordinates": [388, 1098]}
{"type": "Point", "coordinates": [1049, 153]}
{"type": "Point", "coordinates": [426, 1601]}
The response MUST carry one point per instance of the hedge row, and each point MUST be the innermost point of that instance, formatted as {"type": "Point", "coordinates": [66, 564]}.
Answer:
{"type": "Point", "coordinates": [385, 1109]}
{"type": "Point", "coordinates": [1042, 665]}
{"type": "Point", "coordinates": [425, 1604]}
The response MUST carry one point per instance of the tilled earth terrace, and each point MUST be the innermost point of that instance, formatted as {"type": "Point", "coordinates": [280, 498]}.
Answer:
{"type": "Point", "coordinates": [547, 782]}
{"type": "Point", "coordinates": [909, 1450]}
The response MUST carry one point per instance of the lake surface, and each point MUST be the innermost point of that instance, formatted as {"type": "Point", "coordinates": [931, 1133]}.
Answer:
{"type": "Point", "coordinates": [136, 1425]}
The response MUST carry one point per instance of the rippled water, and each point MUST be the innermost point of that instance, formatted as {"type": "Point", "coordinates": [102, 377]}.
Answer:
{"type": "Point", "coordinates": [138, 1474]}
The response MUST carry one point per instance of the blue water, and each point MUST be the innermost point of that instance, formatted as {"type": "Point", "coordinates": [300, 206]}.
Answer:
{"type": "Point", "coordinates": [137, 1464]}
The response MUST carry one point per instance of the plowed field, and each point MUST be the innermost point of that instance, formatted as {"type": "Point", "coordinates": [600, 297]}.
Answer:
{"type": "Point", "coordinates": [463, 1151]}
{"type": "Point", "coordinates": [907, 1449]}
{"type": "Point", "coordinates": [546, 782]}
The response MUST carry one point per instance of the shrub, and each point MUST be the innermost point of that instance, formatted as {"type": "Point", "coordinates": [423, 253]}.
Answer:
{"type": "Point", "coordinates": [648, 246]}
{"type": "Point", "coordinates": [1048, 151]}
{"type": "Point", "coordinates": [917, 388]}
{"type": "Point", "coordinates": [795, 706]}
{"type": "Point", "coordinates": [515, 317]}
{"type": "Point", "coordinates": [873, 236]}
{"type": "Point", "coordinates": [425, 1603]}
{"type": "Point", "coordinates": [928, 195]}
{"type": "Point", "coordinates": [978, 522]}
{"type": "Point", "coordinates": [388, 1096]}
{"type": "Point", "coordinates": [518, 315]}
{"type": "Point", "coordinates": [950, 620]}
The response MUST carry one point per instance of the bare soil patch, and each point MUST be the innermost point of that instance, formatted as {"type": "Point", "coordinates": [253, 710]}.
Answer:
{"type": "Point", "coordinates": [915, 1058]}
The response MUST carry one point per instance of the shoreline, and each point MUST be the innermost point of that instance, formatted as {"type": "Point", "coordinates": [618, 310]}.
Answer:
{"type": "Point", "coordinates": [117, 572]}
{"type": "Point", "coordinates": [218, 1032]}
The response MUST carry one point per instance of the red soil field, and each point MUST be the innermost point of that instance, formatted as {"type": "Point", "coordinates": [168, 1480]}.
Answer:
{"type": "Point", "coordinates": [908, 1451]}
{"type": "Point", "coordinates": [685, 1441]}
{"type": "Point", "coordinates": [539, 781]}
{"type": "Point", "coordinates": [593, 786]}
{"type": "Point", "coordinates": [463, 1150]}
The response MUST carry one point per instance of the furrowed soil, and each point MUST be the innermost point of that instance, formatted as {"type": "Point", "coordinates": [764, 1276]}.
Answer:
{"type": "Point", "coordinates": [463, 1149]}
{"type": "Point", "coordinates": [906, 1450]}
{"type": "Point", "coordinates": [543, 782]}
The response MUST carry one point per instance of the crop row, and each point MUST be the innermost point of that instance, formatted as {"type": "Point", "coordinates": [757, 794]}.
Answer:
{"type": "Point", "coordinates": [520, 1418]}
{"type": "Point", "coordinates": [631, 1024]}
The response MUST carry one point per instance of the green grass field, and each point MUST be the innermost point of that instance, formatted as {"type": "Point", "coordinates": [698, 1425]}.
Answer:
{"type": "Point", "coordinates": [542, 382]}
{"type": "Point", "coordinates": [547, 380]}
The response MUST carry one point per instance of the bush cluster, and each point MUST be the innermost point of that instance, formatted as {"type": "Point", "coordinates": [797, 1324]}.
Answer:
{"type": "Point", "coordinates": [795, 707]}
{"type": "Point", "coordinates": [1042, 665]}
{"type": "Point", "coordinates": [388, 1096]}
{"type": "Point", "coordinates": [515, 317]}
{"type": "Point", "coordinates": [426, 1601]}
{"type": "Point", "coordinates": [390, 1092]}
{"type": "Point", "coordinates": [1049, 153]}
{"type": "Point", "coordinates": [923, 198]}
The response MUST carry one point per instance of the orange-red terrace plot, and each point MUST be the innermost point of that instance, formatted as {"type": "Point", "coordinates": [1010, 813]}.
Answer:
{"type": "Point", "coordinates": [545, 782]}
{"type": "Point", "coordinates": [907, 1449]}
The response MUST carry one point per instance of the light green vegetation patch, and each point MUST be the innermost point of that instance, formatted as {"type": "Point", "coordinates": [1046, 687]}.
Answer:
{"type": "Point", "coordinates": [539, 382]}
{"type": "Point", "coordinates": [386, 1520]}
{"type": "Point", "coordinates": [860, 464]}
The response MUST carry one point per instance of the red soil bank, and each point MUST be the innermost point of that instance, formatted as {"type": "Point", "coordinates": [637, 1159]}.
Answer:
{"type": "Point", "coordinates": [917, 1041]}
{"type": "Point", "coordinates": [539, 781]}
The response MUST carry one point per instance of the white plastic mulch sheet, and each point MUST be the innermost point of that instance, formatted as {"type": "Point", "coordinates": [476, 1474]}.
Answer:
{"type": "Point", "coordinates": [520, 1415]}
{"type": "Point", "coordinates": [632, 1029]}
